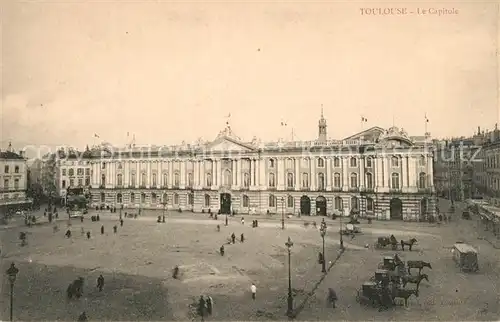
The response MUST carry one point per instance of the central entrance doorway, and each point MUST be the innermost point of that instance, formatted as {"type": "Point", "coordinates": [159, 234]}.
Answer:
{"type": "Point", "coordinates": [396, 207]}
{"type": "Point", "coordinates": [321, 206]}
{"type": "Point", "coordinates": [305, 205]}
{"type": "Point", "coordinates": [225, 203]}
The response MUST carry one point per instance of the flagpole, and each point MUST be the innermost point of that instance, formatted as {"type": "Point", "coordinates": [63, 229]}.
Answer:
{"type": "Point", "coordinates": [425, 127]}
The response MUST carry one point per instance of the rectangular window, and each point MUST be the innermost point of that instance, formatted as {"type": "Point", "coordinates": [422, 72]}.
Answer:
{"type": "Point", "coordinates": [63, 172]}
{"type": "Point", "coordinates": [6, 169]}
{"type": "Point", "coordinates": [63, 184]}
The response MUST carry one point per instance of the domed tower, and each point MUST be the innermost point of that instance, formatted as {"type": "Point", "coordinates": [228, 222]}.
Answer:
{"type": "Point", "coordinates": [322, 128]}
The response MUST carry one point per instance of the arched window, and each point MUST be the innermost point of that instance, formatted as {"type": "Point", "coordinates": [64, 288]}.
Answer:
{"type": "Point", "coordinates": [246, 201]}
{"type": "Point", "coordinates": [336, 180]}
{"type": "Point", "coordinates": [165, 179]}
{"type": "Point", "coordinates": [272, 201]}
{"type": "Point", "coordinates": [143, 179]}
{"type": "Point", "coordinates": [190, 179]}
{"type": "Point", "coordinates": [353, 162]}
{"type": "Point", "coordinates": [119, 198]}
{"type": "Point", "coordinates": [164, 198]}
{"type": "Point", "coordinates": [321, 181]}
{"type": "Point", "coordinates": [143, 197]}
{"type": "Point", "coordinates": [354, 203]}
{"type": "Point", "coordinates": [272, 183]}
{"type": "Point", "coordinates": [289, 180]}
{"type": "Point", "coordinates": [421, 161]}
{"type": "Point", "coordinates": [369, 162]}
{"type": "Point", "coordinates": [153, 179]}
{"type": "Point", "coordinates": [207, 201]}
{"type": "Point", "coordinates": [103, 197]}
{"type": "Point", "coordinates": [176, 198]}
{"type": "Point", "coordinates": [119, 180]}
{"type": "Point", "coordinates": [354, 180]}
{"type": "Point", "coordinates": [132, 179]}
{"type": "Point", "coordinates": [132, 197]}
{"type": "Point", "coordinates": [422, 180]}
{"type": "Point", "coordinates": [305, 180]}
{"type": "Point", "coordinates": [176, 179]}
{"type": "Point", "coordinates": [336, 162]}
{"type": "Point", "coordinates": [369, 180]}
{"type": "Point", "coordinates": [338, 203]}
{"type": "Point", "coordinates": [16, 169]}
{"type": "Point", "coordinates": [321, 163]}
{"type": "Point", "coordinates": [153, 198]}
{"type": "Point", "coordinates": [209, 179]}
{"type": "Point", "coordinates": [289, 163]}
{"type": "Point", "coordinates": [103, 180]}
{"type": "Point", "coordinates": [395, 181]}
{"type": "Point", "coordinates": [395, 162]}
{"type": "Point", "coordinates": [369, 204]}
{"type": "Point", "coordinates": [290, 203]}
{"type": "Point", "coordinates": [190, 199]}
{"type": "Point", "coordinates": [246, 180]}
{"type": "Point", "coordinates": [227, 178]}
{"type": "Point", "coordinates": [305, 163]}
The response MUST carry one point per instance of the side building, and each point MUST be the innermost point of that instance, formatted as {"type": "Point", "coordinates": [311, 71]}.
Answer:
{"type": "Point", "coordinates": [381, 173]}
{"type": "Point", "coordinates": [72, 171]}
{"type": "Point", "coordinates": [13, 177]}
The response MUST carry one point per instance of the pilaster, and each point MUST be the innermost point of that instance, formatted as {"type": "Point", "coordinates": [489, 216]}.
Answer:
{"type": "Point", "coordinates": [170, 174]}
{"type": "Point", "coordinates": [345, 177]}
{"type": "Point", "coordinates": [262, 173]}
{"type": "Point", "coordinates": [313, 179]}
{"type": "Point", "coordinates": [148, 173]}
{"type": "Point", "coordinates": [298, 180]}
{"type": "Point", "coordinates": [328, 174]}
{"type": "Point", "coordinates": [279, 172]}
{"type": "Point", "coordinates": [362, 172]}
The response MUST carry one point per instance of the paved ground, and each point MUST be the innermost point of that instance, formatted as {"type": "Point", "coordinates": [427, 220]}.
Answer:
{"type": "Point", "coordinates": [137, 264]}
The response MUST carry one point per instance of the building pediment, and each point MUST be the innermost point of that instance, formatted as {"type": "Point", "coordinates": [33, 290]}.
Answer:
{"type": "Point", "coordinates": [395, 137]}
{"type": "Point", "coordinates": [371, 134]}
{"type": "Point", "coordinates": [228, 144]}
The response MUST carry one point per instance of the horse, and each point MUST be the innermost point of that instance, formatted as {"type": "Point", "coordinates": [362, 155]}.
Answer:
{"type": "Point", "coordinates": [408, 243]}
{"type": "Point", "coordinates": [417, 264]}
{"type": "Point", "coordinates": [404, 294]}
{"type": "Point", "coordinates": [75, 288]}
{"type": "Point", "coordinates": [414, 279]}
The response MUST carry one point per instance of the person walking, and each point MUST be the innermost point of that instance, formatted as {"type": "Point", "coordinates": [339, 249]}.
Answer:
{"type": "Point", "coordinates": [102, 230]}
{"type": "Point", "coordinates": [253, 288]}
{"type": "Point", "coordinates": [210, 304]}
{"type": "Point", "coordinates": [100, 283]}
{"type": "Point", "coordinates": [242, 220]}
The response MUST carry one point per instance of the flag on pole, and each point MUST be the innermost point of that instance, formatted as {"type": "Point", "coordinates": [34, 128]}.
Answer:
{"type": "Point", "coordinates": [283, 123]}
{"type": "Point", "coordinates": [426, 119]}
{"type": "Point", "coordinates": [364, 119]}
{"type": "Point", "coordinates": [97, 136]}
{"type": "Point", "coordinates": [228, 116]}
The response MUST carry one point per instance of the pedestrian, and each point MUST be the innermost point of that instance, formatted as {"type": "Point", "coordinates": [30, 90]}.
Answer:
{"type": "Point", "coordinates": [102, 230]}
{"type": "Point", "coordinates": [253, 288]}
{"type": "Point", "coordinates": [82, 317]}
{"type": "Point", "coordinates": [176, 271]}
{"type": "Point", "coordinates": [88, 234]}
{"type": "Point", "coordinates": [210, 304]}
{"type": "Point", "coordinates": [233, 237]}
{"type": "Point", "coordinates": [100, 283]}
{"type": "Point", "coordinates": [68, 233]}
{"type": "Point", "coordinates": [332, 297]}
{"type": "Point", "coordinates": [222, 250]}
{"type": "Point", "coordinates": [115, 228]}
{"type": "Point", "coordinates": [97, 217]}
{"type": "Point", "coordinates": [121, 221]}
{"type": "Point", "coordinates": [242, 220]}
{"type": "Point", "coordinates": [201, 307]}
{"type": "Point", "coordinates": [45, 214]}
{"type": "Point", "coordinates": [253, 223]}
{"type": "Point", "coordinates": [218, 228]}
{"type": "Point", "coordinates": [242, 238]}
{"type": "Point", "coordinates": [82, 231]}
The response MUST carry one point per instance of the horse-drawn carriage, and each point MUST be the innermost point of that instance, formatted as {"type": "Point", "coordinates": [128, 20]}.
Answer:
{"type": "Point", "coordinates": [350, 229]}
{"type": "Point", "coordinates": [465, 257]}
{"type": "Point", "coordinates": [390, 263]}
{"type": "Point", "coordinates": [383, 242]}
{"type": "Point", "coordinates": [370, 294]}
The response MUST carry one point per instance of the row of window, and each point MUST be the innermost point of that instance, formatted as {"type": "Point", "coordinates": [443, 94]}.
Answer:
{"type": "Point", "coordinates": [321, 184]}
{"type": "Point", "coordinates": [72, 182]}
{"type": "Point", "coordinates": [79, 172]}
{"type": "Point", "coordinates": [6, 184]}
{"type": "Point", "coordinates": [353, 163]}
{"type": "Point", "coordinates": [7, 169]}
{"type": "Point", "coordinates": [245, 200]}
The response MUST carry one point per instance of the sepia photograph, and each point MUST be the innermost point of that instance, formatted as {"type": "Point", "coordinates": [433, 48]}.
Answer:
{"type": "Point", "coordinates": [351, 149]}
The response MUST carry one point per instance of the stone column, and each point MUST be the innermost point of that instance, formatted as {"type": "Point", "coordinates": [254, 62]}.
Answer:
{"type": "Point", "coordinates": [387, 172]}
{"type": "Point", "coordinates": [255, 173]}
{"type": "Point", "coordinates": [405, 178]}
{"type": "Point", "coordinates": [148, 173]}
{"type": "Point", "coordinates": [262, 173]}
{"type": "Point", "coordinates": [195, 173]}
{"type": "Point", "coordinates": [126, 173]}
{"type": "Point", "coordinates": [298, 179]}
{"type": "Point", "coordinates": [345, 175]}
{"type": "Point", "coordinates": [313, 174]}
{"type": "Point", "coordinates": [328, 174]}
{"type": "Point", "coordinates": [238, 172]}
{"type": "Point", "coordinates": [362, 173]}
{"type": "Point", "coordinates": [219, 173]}
{"type": "Point", "coordinates": [277, 175]}
{"type": "Point", "coordinates": [429, 171]}
{"type": "Point", "coordinates": [170, 173]}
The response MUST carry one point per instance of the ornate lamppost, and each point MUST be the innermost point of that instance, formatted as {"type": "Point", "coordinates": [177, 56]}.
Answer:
{"type": "Point", "coordinates": [289, 245]}
{"type": "Point", "coordinates": [282, 212]}
{"type": "Point", "coordinates": [322, 231]}
{"type": "Point", "coordinates": [164, 203]}
{"type": "Point", "coordinates": [12, 274]}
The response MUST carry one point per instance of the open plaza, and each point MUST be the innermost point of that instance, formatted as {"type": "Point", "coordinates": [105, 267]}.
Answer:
{"type": "Point", "coordinates": [138, 260]}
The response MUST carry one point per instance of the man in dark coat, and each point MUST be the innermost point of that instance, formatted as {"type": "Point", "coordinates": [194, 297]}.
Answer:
{"type": "Point", "coordinates": [242, 238]}
{"type": "Point", "coordinates": [121, 222]}
{"type": "Point", "coordinates": [100, 283]}
{"type": "Point", "coordinates": [102, 230]}
{"type": "Point", "coordinates": [88, 234]}
{"type": "Point", "coordinates": [201, 307]}
{"type": "Point", "coordinates": [209, 303]}
{"type": "Point", "coordinates": [68, 233]}
{"type": "Point", "coordinates": [82, 317]}
{"type": "Point", "coordinates": [222, 250]}
{"type": "Point", "coordinates": [332, 297]}
{"type": "Point", "coordinates": [115, 228]}
{"type": "Point", "coordinates": [233, 237]}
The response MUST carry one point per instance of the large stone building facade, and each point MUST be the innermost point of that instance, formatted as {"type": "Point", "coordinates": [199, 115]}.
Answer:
{"type": "Point", "coordinates": [13, 178]}
{"type": "Point", "coordinates": [378, 172]}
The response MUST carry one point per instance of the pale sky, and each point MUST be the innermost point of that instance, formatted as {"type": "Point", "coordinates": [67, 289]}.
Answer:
{"type": "Point", "coordinates": [170, 72]}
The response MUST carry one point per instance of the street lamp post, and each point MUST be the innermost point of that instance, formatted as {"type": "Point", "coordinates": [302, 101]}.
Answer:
{"type": "Point", "coordinates": [341, 237]}
{"type": "Point", "coordinates": [12, 274]}
{"type": "Point", "coordinates": [164, 209]}
{"type": "Point", "coordinates": [322, 231]}
{"type": "Point", "coordinates": [289, 245]}
{"type": "Point", "coordinates": [282, 212]}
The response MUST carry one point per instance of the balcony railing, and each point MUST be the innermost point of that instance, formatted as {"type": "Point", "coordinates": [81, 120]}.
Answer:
{"type": "Point", "coordinates": [337, 189]}
{"type": "Point", "coordinates": [11, 190]}
{"type": "Point", "coordinates": [142, 186]}
{"type": "Point", "coordinates": [394, 190]}
{"type": "Point", "coordinates": [353, 189]}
